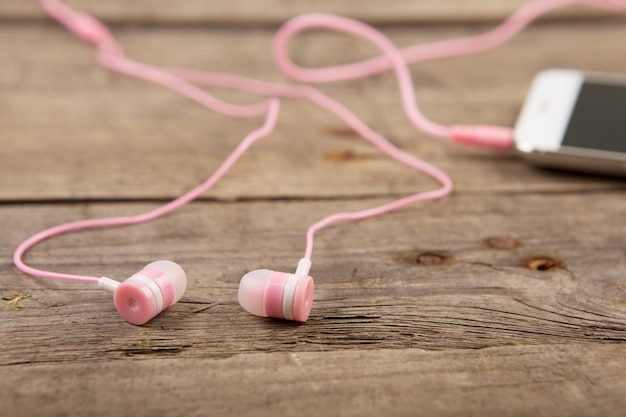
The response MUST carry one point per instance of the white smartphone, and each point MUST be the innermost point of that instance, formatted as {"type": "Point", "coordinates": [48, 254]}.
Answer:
{"type": "Point", "coordinates": [575, 120]}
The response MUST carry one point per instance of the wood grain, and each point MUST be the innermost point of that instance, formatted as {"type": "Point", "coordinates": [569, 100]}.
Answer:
{"type": "Point", "coordinates": [276, 11]}
{"type": "Point", "coordinates": [92, 134]}
{"type": "Point", "coordinates": [371, 292]}
{"type": "Point", "coordinates": [562, 380]}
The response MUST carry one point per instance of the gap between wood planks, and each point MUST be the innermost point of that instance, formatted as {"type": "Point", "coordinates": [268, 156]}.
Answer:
{"type": "Point", "coordinates": [617, 186]}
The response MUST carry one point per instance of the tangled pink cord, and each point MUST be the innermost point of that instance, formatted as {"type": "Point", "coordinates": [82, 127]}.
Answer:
{"type": "Point", "coordinates": [110, 55]}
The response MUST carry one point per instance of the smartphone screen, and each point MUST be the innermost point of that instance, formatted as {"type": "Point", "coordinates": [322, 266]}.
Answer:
{"type": "Point", "coordinates": [576, 121]}
{"type": "Point", "coordinates": [598, 120]}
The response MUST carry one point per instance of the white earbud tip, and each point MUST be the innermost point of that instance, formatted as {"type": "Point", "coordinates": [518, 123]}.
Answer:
{"type": "Point", "coordinates": [175, 273]}
{"type": "Point", "coordinates": [251, 291]}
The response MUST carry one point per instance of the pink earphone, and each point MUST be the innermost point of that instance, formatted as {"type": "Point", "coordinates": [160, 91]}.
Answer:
{"type": "Point", "coordinates": [263, 292]}
{"type": "Point", "coordinates": [156, 287]}
{"type": "Point", "coordinates": [277, 294]}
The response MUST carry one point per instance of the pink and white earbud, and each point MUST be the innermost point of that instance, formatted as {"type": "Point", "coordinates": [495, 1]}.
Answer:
{"type": "Point", "coordinates": [141, 297]}
{"type": "Point", "coordinates": [278, 294]}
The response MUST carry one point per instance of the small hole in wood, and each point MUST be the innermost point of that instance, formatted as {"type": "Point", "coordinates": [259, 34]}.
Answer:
{"type": "Point", "coordinates": [343, 132]}
{"type": "Point", "coordinates": [425, 258]}
{"type": "Point", "coordinates": [430, 259]}
{"type": "Point", "coordinates": [502, 243]}
{"type": "Point", "coordinates": [342, 156]}
{"type": "Point", "coordinates": [544, 263]}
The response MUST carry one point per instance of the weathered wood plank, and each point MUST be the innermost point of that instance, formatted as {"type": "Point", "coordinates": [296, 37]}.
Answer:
{"type": "Point", "coordinates": [86, 129]}
{"type": "Point", "coordinates": [276, 11]}
{"type": "Point", "coordinates": [571, 380]}
{"type": "Point", "coordinates": [421, 278]}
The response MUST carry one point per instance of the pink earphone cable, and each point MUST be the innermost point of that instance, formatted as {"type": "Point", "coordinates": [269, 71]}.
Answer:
{"type": "Point", "coordinates": [252, 137]}
{"type": "Point", "coordinates": [110, 55]}
{"type": "Point", "coordinates": [502, 33]}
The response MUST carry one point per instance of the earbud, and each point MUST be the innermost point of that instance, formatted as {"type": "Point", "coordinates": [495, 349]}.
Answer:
{"type": "Point", "coordinates": [280, 295]}
{"type": "Point", "coordinates": [156, 287]}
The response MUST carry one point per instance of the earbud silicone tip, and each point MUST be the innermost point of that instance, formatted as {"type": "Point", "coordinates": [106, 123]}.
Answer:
{"type": "Point", "coordinates": [252, 290]}
{"type": "Point", "coordinates": [175, 273]}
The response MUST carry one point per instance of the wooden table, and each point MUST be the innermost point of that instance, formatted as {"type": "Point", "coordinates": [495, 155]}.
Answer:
{"type": "Point", "coordinates": [505, 299]}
